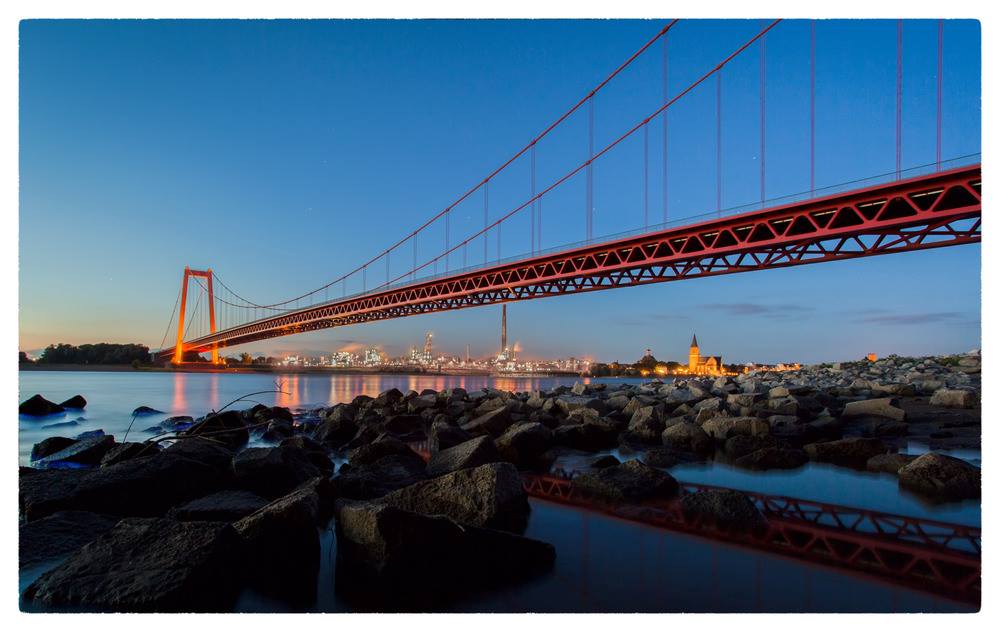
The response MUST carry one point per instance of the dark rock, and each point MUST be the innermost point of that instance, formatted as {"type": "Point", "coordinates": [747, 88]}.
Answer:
{"type": "Point", "coordinates": [772, 458]}
{"type": "Point", "coordinates": [273, 472]}
{"type": "Point", "coordinates": [226, 506]}
{"type": "Point", "coordinates": [43, 492]}
{"type": "Point", "coordinates": [373, 480]}
{"type": "Point", "coordinates": [178, 422]}
{"type": "Point", "coordinates": [522, 444]}
{"type": "Point", "coordinates": [154, 430]}
{"type": "Point", "coordinates": [203, 450]}
{"type": "Point", "coordinates": [313, 449]}
{"type": "Point", "coordinates": [724, 509]}
{"type": "Point", "coordinates": [888, 463]}
{"type": "Point", "coordinates": [403, 425]}
{"type": "Point", "coordinates": [226, 427]}
{"type": "Point", "coordinates": [607, 460]}
{"type": "Point", "coordinates": [76, 402]}
{"type": "Point", "coordinates": [146, 410]}
{"type": "Point", "coordinates": [472, 453]}
{"type": "Point", "coordinates": [490, 495]}
{"type": "Point", "coordinates": [62, 424]}
{"type": "Point", "coordinates": [382, 447]}
{"type": "Point", "coordinates": [689, 437]}
{"type": "Point", "coordinates": [589, 436]}
{"type": "Point", "coordinates": [147, 565]}
{"type": "Point", "coordinates": [444, 435]}
{"type": "Point", "coordinates": [266, 414]}
{"type": "Point", "coordinates": [631, 481]}
{"type": "Point", "coordinates": [666, 457]}
{"type": "Point", "coordinates": [741, 445]}
{"type": "Point", "coordinates": [51, 445]}
{"type": "Point", "coordinates": [338, 427]}
{"type": "Point", "coordinates": [59, 534]}
{"type": "Point", "coordinates": [129, 450]}
{"type": "Point", "coordinates": [38, 406]}
{"type": "Point", "coordinates": [388, 398]}
{"type": "Point", "coordinates": [853, 451]}
{"type": "Point", "coordinates": [386, 554]}
{"type": "Point", "coordinates": [85, 452]}
{"type": "Point", "coordinates": [90, 434]}
{"type": "Point", "coordinates": [277, 429]}
{"type": "Point", "coordinates": [494, 422]}
{"type": "Point", "coordinates": [941, 476]}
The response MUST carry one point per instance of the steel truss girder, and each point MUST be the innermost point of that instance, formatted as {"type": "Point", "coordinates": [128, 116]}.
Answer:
{"type": "Point", "coordinates": [931, 211]}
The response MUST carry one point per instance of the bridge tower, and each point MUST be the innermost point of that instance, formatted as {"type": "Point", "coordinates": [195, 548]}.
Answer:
{"type": "Point", "coordinates": [179, 348]}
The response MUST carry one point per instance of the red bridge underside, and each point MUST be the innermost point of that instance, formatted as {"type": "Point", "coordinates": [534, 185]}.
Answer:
{"type": "Point", "coordinates": [931, 211]}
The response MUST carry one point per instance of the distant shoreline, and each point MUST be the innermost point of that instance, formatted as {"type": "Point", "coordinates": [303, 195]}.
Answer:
{"type": "Point", "coordinates": [206, 368]}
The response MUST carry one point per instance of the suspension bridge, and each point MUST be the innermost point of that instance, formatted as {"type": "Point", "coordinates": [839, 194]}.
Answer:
{"type": "Point", "coordinates": [932, 205]}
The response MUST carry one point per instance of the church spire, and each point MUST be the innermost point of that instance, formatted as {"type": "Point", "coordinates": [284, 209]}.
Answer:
{"type": "Point", "coordinates": [694, 340]}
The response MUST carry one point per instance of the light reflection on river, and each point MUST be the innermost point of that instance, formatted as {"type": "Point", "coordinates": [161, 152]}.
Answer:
{"type": "Point", "coordinates": [603, 564]}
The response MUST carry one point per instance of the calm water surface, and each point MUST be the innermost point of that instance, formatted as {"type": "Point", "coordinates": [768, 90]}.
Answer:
{"type": "Point", "coordinates": [603, 564]}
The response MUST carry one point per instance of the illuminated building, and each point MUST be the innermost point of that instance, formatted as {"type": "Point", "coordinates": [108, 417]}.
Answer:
{"type": "Point", "coordinates": [702, 365]}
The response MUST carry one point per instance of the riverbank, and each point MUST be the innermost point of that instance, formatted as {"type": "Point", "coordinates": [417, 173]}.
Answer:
{"type": "Point", "coordinates": [287, 370]}
{"type": "Point", "coordinates": [390, 465]}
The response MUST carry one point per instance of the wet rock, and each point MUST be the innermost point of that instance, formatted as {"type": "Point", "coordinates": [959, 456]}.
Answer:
{"type": "Point", "coordinates": [60, 534]}
{"type": "Point", "coordinates": [75, 402]}
{"type": "Point", "coordinates": [472, 453]}
{"type": "Point", "coordinates": [378, 478]}
{"type": "Point", "coordinates": [523, 444]}
{"type": "Point", "coordinates": [687, 436]}
{"type": "Point", "coordinates": [38, 406]}
{"type": "Point", "coordinates": [888, 463]}
{"type": "Point", "coordinates": [62, 424]}
{"type": "Point", "coordinates": [228, 505]}
{"type": "Point", "coordinates": [955, 398]}
{"type": "Point", "coordinates": [147, 565]}
{"type": "Point", "coordinates": [723, 509]}
{"type": "Point", "coordinates": [666, 457]}
{"type": "Point", "coordinates": [631, 481]}
{"type": "Point", "coordinates": [941, 476]}
{"type": "Point", "coordinates": [721, 428]}
{"type": "Point", "coordinates": [129, 450]}
{"type": "Point", "coordinates": [226, 427]}
{"type": "Point", "coordinates": [85, 452]}
{"type": "Point", "coordinates": [742, 445]}
{"type": "Point", "coordinates": [850, 451]}
{"type": "Point", "coordinates": [276, 430]}
{"type": "Point", "coordinates": [590, 436]}
{"type": "Point", "coordinates": [146, 410]}
{"type": "Point", "coordinates": [178, 422]}
{"type": "Point", "coordinates": [49, 446]}
{"type": "Point", "coordinates": [772, 458]}
{"type": "Point", "coordinates": [388, 398]}
{"type": "Point", "coordinates": [490, 495]}
{"type": "Point", "coordinates": [338, 427]}
{"type": "Point", "coordinates": [273, 472]}
{"type": "Point", "coordinates": [602, 462]}
{"type": "Point", "coordinates": [881, 407]}
{"type": "Point", "coordinates": [387, 555]}
{"type": "Point", "coordinates": [206, 451]}
{"type": "Point", "coordinates": [444, 435]}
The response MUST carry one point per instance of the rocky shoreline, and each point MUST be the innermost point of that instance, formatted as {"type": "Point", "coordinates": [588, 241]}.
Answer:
{"type": "Point", "coordinates": [430, 497]}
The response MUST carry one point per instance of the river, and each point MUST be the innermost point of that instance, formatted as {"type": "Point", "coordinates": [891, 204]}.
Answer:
{"type": "Point", "coordinates": [602, 565]}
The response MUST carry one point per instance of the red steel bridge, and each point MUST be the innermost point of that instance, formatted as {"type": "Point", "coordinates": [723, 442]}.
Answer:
{"type": "Point", "coordinates": [935, 206]}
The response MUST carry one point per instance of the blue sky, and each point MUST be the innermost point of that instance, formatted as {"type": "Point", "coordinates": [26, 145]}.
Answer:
{"type": "Point", "coordinates": [283, 153]}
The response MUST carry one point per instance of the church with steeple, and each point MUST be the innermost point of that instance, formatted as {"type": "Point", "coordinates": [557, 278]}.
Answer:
{"type": "Point", "coordinates": [702, 365]}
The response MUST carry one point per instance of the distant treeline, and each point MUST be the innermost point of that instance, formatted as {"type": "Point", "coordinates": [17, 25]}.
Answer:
{"type": "Point", "coordinates": [100, 353]}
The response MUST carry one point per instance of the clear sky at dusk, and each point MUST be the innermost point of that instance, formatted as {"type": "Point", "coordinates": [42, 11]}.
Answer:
{"type": "Point", "coordinates": [281, 154]}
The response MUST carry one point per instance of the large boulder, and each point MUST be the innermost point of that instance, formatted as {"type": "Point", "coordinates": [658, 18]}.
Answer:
{"type": "Point", "coordinates": [472, 453]}
{"type": "Point", "coordinates": [888, 463]}
{"type": "Point", "coordinates": [955, 398]}
{"type": "Point", "coordinates": [128, 450]}
{"type": "Point", "coordinates": [382, 446]}
{"type": "Point", "coordinates": [60, 534]}
{"type": "Point", "coordinates": [688, 437]}
{"type": "Point", "coordinates": [50, 445]}
{"type": "Point", "coordinates": [376, 479]}
{"type": "Point", "coordinates": [632, 481]}
{"type": "Point", "coordinates": [313, 449]}
{"type": "Point", "coordinates": [443, 435]}
{"type": "Point", "coordinates": [772, 458]}
{"type": "Point", "coordinates": [941, 476]}
{"type": "Point", "coordinates": [880, 407]}
{"type": "Point", "coordinates": [721, 428]}
{"type": "Point", "coordinates": [285, 544]}
{"type": "Point", "coordinates": [43, 492]}
{"type": "Point", "coordinates": [206, 451]}
{"type": "Point", "coordinates": [523, 444]}
{"type": "Point", "coordinates": [85, 452]}
{"type": "Point", "coordinates": [337, 427]}
{"type": "Point", "coordinates": [646, 423]}
{"type": "Point", "coordinates": [76, 402]}
{"type": "Point", "coordinates": [226, 506]}
{"type": "Point", "coordinates": [588, 436]}
{"type": "Point", "coordinates": [273, 472]}
{"type": "Point", "coordinates": [494, 422]}
{"type": "Point", "coordinates": [854, 451]}
{"type": "Point", "coordinates": [728, 510]}
{"type": "Point", "coordinates": [490, 495]}
{"type": "Point", "coordinates": [147, 565]}
{"type": "Point", "coordinates": [38, 406]}
{"type": "Point", "coordinates": [391, 557]}
{"type": "Point", "coordinates": [226, 427]}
